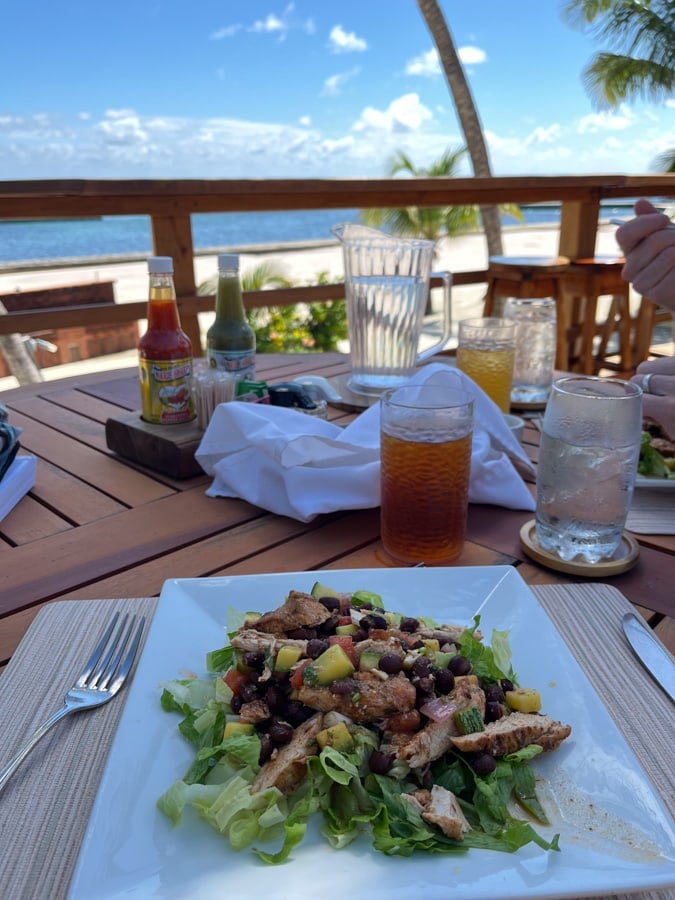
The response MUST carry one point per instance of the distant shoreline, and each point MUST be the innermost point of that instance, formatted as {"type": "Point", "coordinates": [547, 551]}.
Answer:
{"type": "Point", "coordinates": [35, 265]}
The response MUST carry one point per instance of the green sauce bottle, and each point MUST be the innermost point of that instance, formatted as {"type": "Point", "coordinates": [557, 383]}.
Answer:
{"type": "Point", "coordinates": [230, 341]}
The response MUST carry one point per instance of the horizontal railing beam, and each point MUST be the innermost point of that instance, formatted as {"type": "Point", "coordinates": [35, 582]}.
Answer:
{"type": "Point", "coordinates": [53, 318]}
{"type": "Point", "coordinates": [37, 199]}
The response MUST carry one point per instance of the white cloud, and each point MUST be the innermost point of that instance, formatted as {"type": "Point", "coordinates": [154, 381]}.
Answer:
{"type": "Point", "coordinates": [270, 23]}
{"type": "Point", "coordinates": [472, 56]}
{"type": "Point", "coordinates": [333, 85]}
{"type": "Point", "coordinates": [305, 121]}
{"type": "Point", "coordinates": [342, 41]}
{"type": "Point", "coordinates": [606, 121]}
{"type": "Point", "coordinates": [227, 31]}
{"type": "Point", "coordinates": [406, 113]}
{"type": "Point", "coordinates": [426, 64]}
{"type": "Point", "coordinates": [670, 103]}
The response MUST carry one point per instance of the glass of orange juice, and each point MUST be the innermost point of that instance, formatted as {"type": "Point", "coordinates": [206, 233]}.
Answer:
{"type": "Point", "coordinates": [486, 351]}
{"type": "Point", "coordinates": [425, 446]}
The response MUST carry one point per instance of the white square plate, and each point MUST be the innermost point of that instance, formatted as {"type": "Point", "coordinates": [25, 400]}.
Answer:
{"type": "Point", "coordinates": [655, 484]}
{"type": "Point", "coordinates": [615, 833]}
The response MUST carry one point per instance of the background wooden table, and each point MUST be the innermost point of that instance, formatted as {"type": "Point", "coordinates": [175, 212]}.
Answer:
{"type": "Point", "coordinates": [96, 525]}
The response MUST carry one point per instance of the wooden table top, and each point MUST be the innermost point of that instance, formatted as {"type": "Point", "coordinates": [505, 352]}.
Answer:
{"type": "Point", "coordinates": [97, 526]}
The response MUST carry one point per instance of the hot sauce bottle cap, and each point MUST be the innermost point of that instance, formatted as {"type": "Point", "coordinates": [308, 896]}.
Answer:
{"type": "Point", "coordinates": [160, 265]}
{"type": "Point", "coordinates": [228, 261]}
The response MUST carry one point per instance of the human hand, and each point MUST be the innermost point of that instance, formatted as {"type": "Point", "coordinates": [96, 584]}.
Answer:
{"type": "Point", "coordinates": [648, 243]}
{"type": "Point", "coordinates": [656, 377]}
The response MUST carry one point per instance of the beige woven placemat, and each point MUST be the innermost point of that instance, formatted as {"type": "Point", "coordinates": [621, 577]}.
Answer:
{"type": "Point", "coordinates": [652, 512]}
{"type": "Point", "coordinates": [45, 808]}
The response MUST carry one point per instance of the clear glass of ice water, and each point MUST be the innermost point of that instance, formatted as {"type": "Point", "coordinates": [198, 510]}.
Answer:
{"type": "Point", "coordinates": [535, 347]}
{"type": "Point", "coordinates": [587, 465]}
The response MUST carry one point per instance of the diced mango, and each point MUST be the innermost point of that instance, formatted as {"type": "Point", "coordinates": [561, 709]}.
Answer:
{"type": "Point", "coordinates": [346, 629]}
{"type": "Point", "coordinates": [431, 644]}
{"type": "Point", "coordinates": [237, 728]}
{"type": "Point", "coordinates": [331, 664]}
{"type": "Point", "coordinates": [286, 658]}
{"type": "Point", "coordinates": [525, 700]}
{"type": "Point", "coordinates": [336, 736]}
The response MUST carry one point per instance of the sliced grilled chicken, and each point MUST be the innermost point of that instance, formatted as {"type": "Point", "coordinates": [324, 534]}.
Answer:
{"type": "Point", "coordinates": [441, 808]}
{"type": "Point", "coordinates": [370, 698]}
{"type": "Point", "coordinates": [298, 611]}
{"type": "Point", "coordinates": [436, 738]}
{"type": "Point", "coordinates": [287, 767]}
{"type": "Point", "coordinates": [512, 732]}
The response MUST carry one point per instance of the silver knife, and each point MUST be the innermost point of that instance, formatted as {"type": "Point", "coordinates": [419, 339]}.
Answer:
{"type": "Point", "coordinates": [650, 653]}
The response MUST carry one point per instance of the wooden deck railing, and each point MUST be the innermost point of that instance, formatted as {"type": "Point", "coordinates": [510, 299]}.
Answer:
{"type": "Point", "coordinates": [171, 204]}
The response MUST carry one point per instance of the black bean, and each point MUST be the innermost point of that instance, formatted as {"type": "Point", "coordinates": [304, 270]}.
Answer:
{"type": "Point", "coordinates": [315, 647]}
{"type": "Point", "coordinates": [275, 697]}
{"type": "Point", "coordinates": [493, 711]}
{"type": "Point", "coordinates": [331, 603]}
{"type": "Point", "coordinates": [380, 762]}
{"type": "Point", "coordinates": [506, 685]}
{"type": "Point", "coordinates": [359, 635]}
{"type": "Point", "coordinates": [302, 634]}
{"type": "Point", "coordinates": [483, 764]}
{"type": "Point", "coordinates": [366, 605]}
{"type": "Point", "coordinates": [421, 666]}
{"type": "Point", "coordinates": [422, 697]}
{"type": "Point", "coordinates": [235, 704]}
{"type": "Point", "coordinates": [297, 713]}
{"type": "Point", "coordinates": [371, 621]}
{"type": "Point", "coordinates": [329, 626]}
{"type": "Point", "coordinates": [459, 665]}
{"type": "Point", "coordinates": [281, 733]}
{"type": "Point", "coordinates": [266, 748]}
{"type": "Point", "coordinates": [494, 692]}
{"type": "Point", "coordinates": [343, 686]}
{"type": "Point", "coordinates": [254, 659]}
{"type": "Point", "coordinates": [425, 684]}
{"type": "Point", "coordinates": [390, 663]}
{"type": "Point", "coordinates": [409, 624]}
{"type": "Point", "coordinates": [416, 645]}
{"type": "Point", "coordinates": [248, 692]}
{"type": "Point", "coordinates": [445, 681]}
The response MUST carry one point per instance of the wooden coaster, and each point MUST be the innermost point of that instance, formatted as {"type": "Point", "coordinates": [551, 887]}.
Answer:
{"type": "Point", "coordinates": [624, 559]}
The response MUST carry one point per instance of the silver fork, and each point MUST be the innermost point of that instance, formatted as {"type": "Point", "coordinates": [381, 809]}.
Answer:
{"type": "Point", "coordinates": [99, 681]}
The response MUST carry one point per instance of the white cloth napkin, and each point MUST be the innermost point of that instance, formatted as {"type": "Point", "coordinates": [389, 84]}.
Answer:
{"type": "Point", "coordinates": [17, 481]}
{"type": "Point", "coordinates": [298, 466]}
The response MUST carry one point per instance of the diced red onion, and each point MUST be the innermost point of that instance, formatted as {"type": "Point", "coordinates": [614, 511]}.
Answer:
{"type": "Point", "coordinates": [439, 709]}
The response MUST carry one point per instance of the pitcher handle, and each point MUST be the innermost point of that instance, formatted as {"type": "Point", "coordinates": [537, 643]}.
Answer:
{"type": "Point", "coordinates": [447, 317]}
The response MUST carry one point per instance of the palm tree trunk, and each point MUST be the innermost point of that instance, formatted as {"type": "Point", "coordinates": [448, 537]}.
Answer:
{"type": "Point", "coordinates": [20, 363]}
{"type": "Point", "coordinates": [466, 112]}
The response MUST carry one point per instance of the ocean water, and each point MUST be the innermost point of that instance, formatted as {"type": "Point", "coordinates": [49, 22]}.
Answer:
{"type": "Point", "coordinates": [33, 241]}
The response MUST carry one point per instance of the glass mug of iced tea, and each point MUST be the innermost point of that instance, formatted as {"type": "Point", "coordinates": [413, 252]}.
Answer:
{"type": "Point", "coordinates": [486, 351]}
{"type": "Point", "coordinates": [425, 446]}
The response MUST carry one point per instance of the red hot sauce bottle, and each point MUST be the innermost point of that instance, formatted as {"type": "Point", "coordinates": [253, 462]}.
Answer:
{"type": "Point", "coordinates": [165, 352]}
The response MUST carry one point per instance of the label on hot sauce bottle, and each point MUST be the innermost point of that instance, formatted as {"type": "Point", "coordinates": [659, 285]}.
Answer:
{"type": "Point", "coordinates": [166, 396]}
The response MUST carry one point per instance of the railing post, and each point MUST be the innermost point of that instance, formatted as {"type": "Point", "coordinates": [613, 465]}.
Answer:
{"type": "Point", "coordinates": [578, 228]}
{"type": "Point", "coordinates": [172, 236]}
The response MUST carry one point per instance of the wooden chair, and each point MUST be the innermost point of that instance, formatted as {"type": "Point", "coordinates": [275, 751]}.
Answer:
{"type": "Point", "coordinates": [527, 276]}
{"type": "Point", "coordinates": [588, 338]}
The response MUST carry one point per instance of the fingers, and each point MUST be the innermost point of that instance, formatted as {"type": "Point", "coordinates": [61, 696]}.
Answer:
{"type": "Point", "coordinates": [663, 366]}
{"type": "Point", "coordinates": [643, 207]}
{"type": "Point", "coordinates": [636, 230]}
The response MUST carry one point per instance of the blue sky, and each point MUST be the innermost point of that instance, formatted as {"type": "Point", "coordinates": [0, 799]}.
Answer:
{"type": "Point", "coordinates": [313, 88]}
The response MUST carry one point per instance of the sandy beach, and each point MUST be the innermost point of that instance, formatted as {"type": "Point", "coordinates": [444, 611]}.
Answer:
{"type": "Point", "coordinates": [301, 263]}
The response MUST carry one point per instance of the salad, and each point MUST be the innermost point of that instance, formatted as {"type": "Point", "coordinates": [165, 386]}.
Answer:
{"type": "Point", "coordinates": [657, 456]}
{"type": "Point", "coordinates": [333, 707]}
